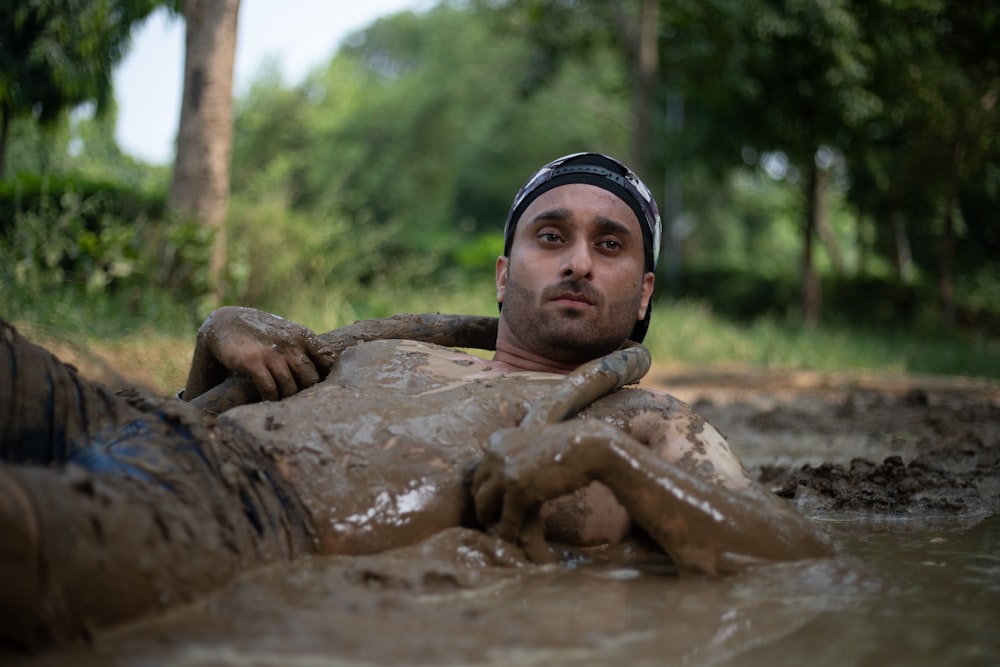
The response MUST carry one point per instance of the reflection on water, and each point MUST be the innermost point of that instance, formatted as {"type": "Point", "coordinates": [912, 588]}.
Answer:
{"type": "Point", "coordinates": [901, 593]}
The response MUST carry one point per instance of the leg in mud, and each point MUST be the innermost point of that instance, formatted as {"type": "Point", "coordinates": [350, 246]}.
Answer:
{"type": "Point", "coordinates": [47, 411]}
{"type": "Point", "coordinates": [143, 509]}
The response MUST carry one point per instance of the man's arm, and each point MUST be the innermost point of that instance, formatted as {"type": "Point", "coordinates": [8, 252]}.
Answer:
{"type": "Point", "coordinates": [279, 356]}
{"type": "Point", "coordinates": [707, 517]}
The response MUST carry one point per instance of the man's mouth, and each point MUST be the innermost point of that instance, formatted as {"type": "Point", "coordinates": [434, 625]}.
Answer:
{"type": "Point", "coordinates": [573, 298]}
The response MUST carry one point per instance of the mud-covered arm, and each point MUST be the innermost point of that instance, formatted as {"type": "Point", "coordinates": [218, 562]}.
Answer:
{"type": "Point", "coordinates": [280, 357]}
{"type": "Point", "coordinates": [215, 397]}
{"type": "Point", "coordinates": [706, 525]}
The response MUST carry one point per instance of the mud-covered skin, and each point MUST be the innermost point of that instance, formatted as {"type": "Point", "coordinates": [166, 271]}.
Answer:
{"type": "Point", "coordinates": [210, 387]}
{"type": "Point", "coordinates": [387, 473]}
{"type": "Point", "coordinates": [164, 505]}
{"type": "Point", "coordinates": [276, 356]}
{"type": "Point", "coordinates": [393, 467]}
{"type": "Point", "coordinates": [678, 481]}
{"type": "Point", "coordinates": [381, 454]}
{"type": "Point", "coordinates": [108, 512]}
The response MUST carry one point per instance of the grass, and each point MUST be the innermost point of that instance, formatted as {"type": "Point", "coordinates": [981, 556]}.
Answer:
{"type": "Point", "coordinates": [690, 334]}
{"type": "Point", "coordinates": [114, 341]}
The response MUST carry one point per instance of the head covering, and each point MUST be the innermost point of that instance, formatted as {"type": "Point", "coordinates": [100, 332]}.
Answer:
{"type": "Point", "coordinates": [609, 174]}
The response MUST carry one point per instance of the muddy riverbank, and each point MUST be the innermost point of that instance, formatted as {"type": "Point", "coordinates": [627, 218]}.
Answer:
{"type": "Point", "coordinates": [843, 444]}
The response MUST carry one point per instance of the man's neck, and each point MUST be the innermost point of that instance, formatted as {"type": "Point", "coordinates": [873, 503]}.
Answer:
{"type": "Point", "coordinates": [512, 355]}
{"type": "Point", "coordinates": [512, 358]}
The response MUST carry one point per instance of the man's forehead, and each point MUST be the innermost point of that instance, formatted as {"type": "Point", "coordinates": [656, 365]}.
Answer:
{"type": "Point", "coordinates": [581, 199]}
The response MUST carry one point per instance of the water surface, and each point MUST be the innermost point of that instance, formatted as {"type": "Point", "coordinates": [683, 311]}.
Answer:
{"type": "Point", "coordinates": [900, 592]}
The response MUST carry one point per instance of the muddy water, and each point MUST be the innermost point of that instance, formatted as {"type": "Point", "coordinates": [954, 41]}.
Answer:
{"type": "Point", "coordinates": [900, 592]}
{"type": "Point", "coordinates": [935, 599]}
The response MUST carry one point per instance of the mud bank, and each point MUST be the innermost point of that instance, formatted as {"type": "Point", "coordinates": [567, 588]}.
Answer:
{"type": "Point", "coordinates": [904, 447]}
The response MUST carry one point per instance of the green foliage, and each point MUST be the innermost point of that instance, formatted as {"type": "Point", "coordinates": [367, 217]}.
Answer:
{"type": "Point", "coordinates": [43, 193]}
{"type": "Point", "coordinates": [393, 148]}
{"type": "Point", "coordinates": [747, 295]}
{"type": "Point", "coordinates": [381, 184]}
{"type": "Point", "coordinates": [92, 238]}
{"type": "Point", "coordinates": [79, 143]}
{"type": "Point", "coordinates": [935, 136]}
{"type": "Point", "coordinates": [409, 145]}
{"type": "Point", "coordinates": [56, 54]}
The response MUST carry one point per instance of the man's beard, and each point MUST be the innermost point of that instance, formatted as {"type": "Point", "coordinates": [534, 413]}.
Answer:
{"type": "Point", "coordinates": [565, 334]}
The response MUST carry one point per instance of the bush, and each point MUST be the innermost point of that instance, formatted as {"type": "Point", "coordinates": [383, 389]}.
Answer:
{"type": "Point", "coordinates": [740, 294]}
{"type": "Point", "coordinates": [97, 238]}
{"type": "Point", "coordinates": [46, 195]}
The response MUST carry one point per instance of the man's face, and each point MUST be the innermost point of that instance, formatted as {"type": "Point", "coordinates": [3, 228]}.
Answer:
{"type": "Point", "coordinates": [574, 284]}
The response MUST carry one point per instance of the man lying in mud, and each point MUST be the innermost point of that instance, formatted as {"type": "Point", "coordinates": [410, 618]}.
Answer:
{"type": "Point", "coordinates": [110, 509]}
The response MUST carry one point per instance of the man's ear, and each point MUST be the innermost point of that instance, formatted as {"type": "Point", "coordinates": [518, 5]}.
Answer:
{"type": "Point", "coordinates": [647, 293]}
{"type": "Point", "coordinates": [503, 264]}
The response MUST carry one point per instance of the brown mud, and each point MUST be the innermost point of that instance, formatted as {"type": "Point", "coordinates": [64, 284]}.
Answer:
{"type": "Point", "coordinates": [900, 446]}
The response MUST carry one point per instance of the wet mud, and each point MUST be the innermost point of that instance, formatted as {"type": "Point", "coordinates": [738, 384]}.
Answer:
{"type": "Point", "coordinates": [843, 445]}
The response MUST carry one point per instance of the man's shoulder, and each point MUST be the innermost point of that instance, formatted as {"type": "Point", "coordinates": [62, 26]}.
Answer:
{"type": "Point", "coordinates": [636, 398]}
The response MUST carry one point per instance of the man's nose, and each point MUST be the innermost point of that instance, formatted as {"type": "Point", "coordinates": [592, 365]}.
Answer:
{"type": "Point", "coordinates": [578, 262]}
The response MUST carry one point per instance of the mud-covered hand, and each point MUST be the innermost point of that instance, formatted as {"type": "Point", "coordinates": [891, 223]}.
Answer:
{"type": "Point", "coordinates": [279, 356]}
{"type": "Point", "coordinates": [524, 467]}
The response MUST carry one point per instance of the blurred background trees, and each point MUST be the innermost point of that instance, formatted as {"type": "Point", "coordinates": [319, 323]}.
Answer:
{"type": "Point", "coordinates": [815, 162]}
{"type": "Point", "coordinates": [57, 54]}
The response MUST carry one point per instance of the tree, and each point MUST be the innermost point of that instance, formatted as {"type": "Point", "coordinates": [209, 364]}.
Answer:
{"type": "Point", "coordinates": [799, 82]}
{"type": "Point", "coordinates": [56, 54]}
{"type": "Point", "coordinates": [410, 146]}
{"type": "Point", "coordinates": [200, 186]}
{"type": "Point", "coordinates": [564, 31]}
{"type": "Point", "coordinates": [937, 75]}
{"type": "Point", "coordinates": [412, 132]}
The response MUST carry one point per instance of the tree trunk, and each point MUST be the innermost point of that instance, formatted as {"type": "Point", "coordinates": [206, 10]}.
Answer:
{"type": "Point", "coordinates": [861, 240]}
{"type": "Point", "coordinates": [946, 289]}
{"type": "Point", "coordinates": [822, 221]}
{"type": "Point", "coordinates": [810, 281]}
{"type": "Point", "coordinates": [646, 69]}
{"type": "Point", "coordinates": [200, 187]}
{"type": "Point", "coordinates": [640, 37]}
{"type": "Point", "coordinates": [672, 209]}
{"type": "Point", "coordinates": [901, 246]}
{"type": "Point", "coordinates": [5, 114]}
{"type": "Point", "coordinates": [945, 286]}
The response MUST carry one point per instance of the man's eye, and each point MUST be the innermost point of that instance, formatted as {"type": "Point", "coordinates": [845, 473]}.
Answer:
{"type": "Point", "coordinates": [549, 237]}
{"type": "Point", "coordinates": [610, 244]}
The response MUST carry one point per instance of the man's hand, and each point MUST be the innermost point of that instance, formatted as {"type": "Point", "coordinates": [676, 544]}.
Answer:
{"type": "Point", "coordinates": [279, 356]}
{"type": "Point", "coordinates": [524, 467]}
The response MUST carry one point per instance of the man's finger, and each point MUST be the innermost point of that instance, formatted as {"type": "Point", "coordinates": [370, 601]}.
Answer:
{"type": "Point", "coordinates": [303, 369]}
{"type": "Point", "coordinates": [487, 495]}
{"type": "Point", "coordinates": [512, 517]}
{"type": "Point", "coordinates": [283, 379]}
{"type": "Point", "coordinates": [266, 387]}
{"type": "Point", "coordinates": [532, 538]}
{"type": "Point", "coordinates": [320, 355]}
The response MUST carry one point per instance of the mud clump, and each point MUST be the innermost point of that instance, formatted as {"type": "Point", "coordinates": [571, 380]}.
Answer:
{"type": "Point", "coordinates": [934, 483]}
{"type": "Point", "coordinates": [955, 466]}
